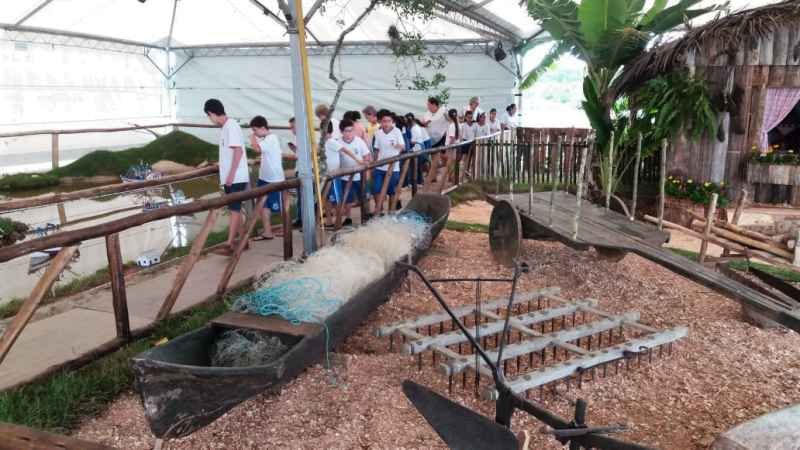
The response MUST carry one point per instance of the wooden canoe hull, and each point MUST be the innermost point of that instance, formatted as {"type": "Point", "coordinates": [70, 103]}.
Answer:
{"type": "Point", "coordinates": [181, 392]}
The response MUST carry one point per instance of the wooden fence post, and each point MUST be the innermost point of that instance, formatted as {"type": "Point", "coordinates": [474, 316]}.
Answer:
{"type": "Point", "coordinates": [237, 252]}
{"type": "Point", "coordinates": [662, 179]}
{"type": "Point", "coordinates": [636, 176]}
{"type": "Point", "coordinates": [25, 313]}
{"type": "Point", "coordinates": [54, 150]}
{"type": "Point", "coordinates": [712, 211]}
{"type": "Point", "coordinates": [286, 221]}
{"type": "Point", "coordinates": [187, 264]}
{"type": "Point", "coordinates": [363, 197]}
{"type": "Point", "coordinates": [340, 207]}
{"type": "Point", "coordinates": [579, 193]}
{"type": "Point", "coordinates": [610, 173]}
{"type": "Point", "coordinates": [554, 178]}
{"type": "Point", "coordinates": [403, 173]}
{"type": "Point", "coordinates": [117, 274]}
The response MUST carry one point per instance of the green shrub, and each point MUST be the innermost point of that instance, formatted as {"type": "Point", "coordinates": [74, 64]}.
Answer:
{"type": "Point", "coordinates": [27, 181]}
{"type": "Point", "coordinates": [698, 192]}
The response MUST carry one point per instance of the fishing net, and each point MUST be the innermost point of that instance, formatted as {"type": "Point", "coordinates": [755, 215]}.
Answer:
{"type": "Point", "coordinates": [244, 348]}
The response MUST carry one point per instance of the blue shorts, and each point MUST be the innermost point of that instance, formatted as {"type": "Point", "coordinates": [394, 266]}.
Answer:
{"type": "Point", "coordinates": [273, 200]}
{"type": "Point", "coordinates": [336, 191]}
{"type": "Point", "coordinates": [379, 176]}
{"type": "Point", "coordinates": [355, 191]}
{"type": "Point", "coordinates": [235, 187]}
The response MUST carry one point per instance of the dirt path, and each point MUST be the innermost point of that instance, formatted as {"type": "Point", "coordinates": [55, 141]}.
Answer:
{"type": "Point", "coordinates": [723, 373]}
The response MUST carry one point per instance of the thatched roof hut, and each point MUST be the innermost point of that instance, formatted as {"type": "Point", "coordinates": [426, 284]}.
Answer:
{"type": "Point", "coordinates": [745, 56]}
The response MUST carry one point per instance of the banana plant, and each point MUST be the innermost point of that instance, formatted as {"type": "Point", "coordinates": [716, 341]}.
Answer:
{"type": "Point", "coordinates": [606, 35]}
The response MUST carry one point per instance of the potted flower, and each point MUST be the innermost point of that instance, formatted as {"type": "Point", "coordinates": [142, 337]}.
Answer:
{"type": "Point", "coordinates": [687, 196]}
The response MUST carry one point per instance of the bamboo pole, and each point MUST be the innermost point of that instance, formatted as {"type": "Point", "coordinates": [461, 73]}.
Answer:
{"type": "Point", "coordinates": [636, 176]}
{"type": "Point", "coordinates": [119, 296]}
{"type": "Point", "coordinates": [554, 178]}
{"type": "Point", "coordinates": [610, 172]}
{"type": "Point", "coordinates": [579, 194]}
{"type": "Point", "coordinates": [23, 316]}
{"type": "Point", "coordinates": [286, 222]}
{"type": "Point", "coordinates": [712, 210]}
{"type": "Point", "coordinates": [187, 264]}
{"type": "Point", "coordinates": [662, 180]}
{"type": "Point", "coordinates": [237, 252]}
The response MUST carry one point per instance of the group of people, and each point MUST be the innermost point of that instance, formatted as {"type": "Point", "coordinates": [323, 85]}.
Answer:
{"type": "Point", "coordinates": [349, 143]}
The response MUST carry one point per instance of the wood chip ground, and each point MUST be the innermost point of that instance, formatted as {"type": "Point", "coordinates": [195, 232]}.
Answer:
{"type": "Point", "coordinates": [725, 372]}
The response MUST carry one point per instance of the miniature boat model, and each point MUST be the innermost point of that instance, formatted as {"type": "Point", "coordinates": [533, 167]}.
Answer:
{"type": "Point", "coordinates": [183, 392]}
{"type": "Point", "coordinates": [140, 172]}
{"type": "Point", "coordinates": [41, 259]}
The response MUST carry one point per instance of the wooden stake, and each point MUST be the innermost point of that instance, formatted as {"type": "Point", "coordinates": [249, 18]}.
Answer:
{"type": "Point", "coordinates": [610, 177]}
{"type": "Point", "coordinates": [340, 207]}
{"type": "Point", "coordinates": [579, 194]}
{"type": "Point", "coordinates": [187, 264]}
{"type": "Point", "coordinates": [712, 210]}
{"type": "Point", "coordinates": [237, 253]}
{"type": "Point", "coordinates": [25, 313]}
{"type": "Point", "coordinates": [117, 275]}
{"type": "Point", "coordinates": [740, 205]}
{"type": "Point", "coordinates": [403, 173]}
{"type": "Point", "coordinates": [554, 178]}
{"type": "Point", "coordinates": [636, 175]}
{"type": "Point", "coordinates": [286, 220]}
{"type": "Point", "coordinates": [385, 185]}
{"type": "Point", "coordinates": [530, 177]}
{"type": "Point", "coordinates": [662, 180]}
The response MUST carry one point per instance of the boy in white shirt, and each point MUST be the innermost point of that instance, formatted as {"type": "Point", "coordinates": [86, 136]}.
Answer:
{"type": "Point", "coordinates": [468, 127]}
{"type": "Point", "coordinates": [332, 164]}
{"type": "Point", "coordinates": [233, 174]}
{"type": "Point", "coordinates": [436, 121]}
{"type": "Point", "coordinates": [494, 123]}
{"type": "Point", "coordinates": [270, 171]}
{"type": "Point", "coordinates": [353, 152]}
{"type": "Point", "coordinates": [389, 142]}
{"type": "Point", "coordinates": [482, 128]}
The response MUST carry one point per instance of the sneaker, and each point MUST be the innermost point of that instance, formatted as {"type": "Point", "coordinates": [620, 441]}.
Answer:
{"type": "Point", "coordinates": [399, 205]}
{"type": "Point", "coordinates": [347, 222]}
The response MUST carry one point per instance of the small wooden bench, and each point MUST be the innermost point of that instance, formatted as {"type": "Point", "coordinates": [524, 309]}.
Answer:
{"type": "Point", "coordinates": [273, 324]}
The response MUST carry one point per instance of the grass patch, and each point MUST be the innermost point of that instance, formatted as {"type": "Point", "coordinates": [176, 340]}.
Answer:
{"type": "Point", "coordinates": [27, 181]}
{"type": "Point", "coordinates": [743, 265]}
{"type": "Point", "coordinates": [466, 227]}
{"type": "Point", "coordinates": [10, 308]}
{"type": "Point", "coordinates": [58, 403]}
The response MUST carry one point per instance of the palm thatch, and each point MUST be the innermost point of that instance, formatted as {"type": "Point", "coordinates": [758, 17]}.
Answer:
{"type": "Point", "coordinates": [727, 35]}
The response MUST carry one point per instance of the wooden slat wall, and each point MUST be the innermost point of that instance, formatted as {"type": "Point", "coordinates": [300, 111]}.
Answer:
{"type": "Point", "coordinates": [769, 62]}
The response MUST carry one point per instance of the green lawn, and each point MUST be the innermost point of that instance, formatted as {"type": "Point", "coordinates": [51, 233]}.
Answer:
{"type": "Point", "coordinates": [742, 265]}
{"type": "Point", "coordinates": [466, 227]}
{"type": "Point", "coordinates": [59, 402]}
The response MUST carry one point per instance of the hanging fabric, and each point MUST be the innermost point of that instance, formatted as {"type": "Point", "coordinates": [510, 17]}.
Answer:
{"type": "Point", "coordinates": [779, 104]}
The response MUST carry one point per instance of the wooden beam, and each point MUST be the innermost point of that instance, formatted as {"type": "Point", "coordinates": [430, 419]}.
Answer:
{"type": "Point", "coordinates": [273, 324]}
{"type": "Point", "coordinates": [747, 241]}
{"type": "Point", "coordinates": [712, 209]}
{"type": "Point", "coordinates": [403, 173]}
{"type": "Point", "coordinates": [385, 186]}
{"type": "Point", "coordinates": [340, 207]}
{"type": "Point", "coordinates": [16, 437]}
{"type": "Point", "coordinates": [187, 264]}
{"type": "Point", "coordinates": [286, 220]}
{"type": "Point", "coordinates": [237, 252]}
{"type": "Point", "coordinates": [25, 313]}
{"type": "Point", "coordinates": [117, 275]}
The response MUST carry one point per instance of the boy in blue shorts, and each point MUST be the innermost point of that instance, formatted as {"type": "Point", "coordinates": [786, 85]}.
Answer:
{"type": "Point", "coordinates": [353, 152]}
{"type": "Point", "coordinates": [233, 174]}
{"type": "Point", "coordinates": [388, 142]}
{"type": "Point", "coordinates": [270, 171]}
{"type": "Point", "coordinates": [332, 164]}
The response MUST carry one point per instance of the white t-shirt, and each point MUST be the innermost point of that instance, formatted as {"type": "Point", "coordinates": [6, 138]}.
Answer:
{"type": "Point", "coordinates": [482, 130]}
{"type": "Point", "coordinates": [332, 158]}
{"type": "Point", "coordinates": [494, 126]}
{"type": "Point", "coordinates": [358, 148]}
{"type": "Point", "coordinates": [438, 123]}
{"type": "Point", "coordinates": [271, 169]}
{"type": "Point", "coordinates": [451, 135]}
{"type": "Point", "coordinates": [468, 131]}
{"type": "Point", "coordinates": [385, 145]}
{"type": "Point", "coordinates": [231, 136]}
{"type": "Point", "coordinates": [417, 137]}
{"type": "Point", "coordinates": [506, 120]}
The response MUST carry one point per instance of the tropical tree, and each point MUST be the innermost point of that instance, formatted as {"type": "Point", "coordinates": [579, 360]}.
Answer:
{"type": "Point", "coordinates": [606, 35]}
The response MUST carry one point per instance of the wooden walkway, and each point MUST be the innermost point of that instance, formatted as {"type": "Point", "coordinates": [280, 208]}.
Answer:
{"type": "Point", "coordinates": [65, 337]}
{"type": "Point", "coordinates": [610, 230]}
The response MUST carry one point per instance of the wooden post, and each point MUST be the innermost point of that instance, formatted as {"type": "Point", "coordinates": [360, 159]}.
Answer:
{"type": "Point", "coordinates": [554, 178]}
{"type": "Point", "coordinates": [432, 172]}
{"type": "Point", "coordinates": [54, 149]}
{"type": "Point", "coordinates": [62, 214]}
{"type": "Point", "coordinates": [340, 207]}
{"type": "Point", "coordinates": [579, 194]}
{"type": "Point", "coordinates": [25, 313]}
{"type": "Point", "coordinates": [451, 162]}
{"type": "Point", "coordinates": [403, 173]}
{"type": "Point", "coordinates": [796, 260]}
{"type": "Point", "coordinates": [385, 186]}
{"type": "Point", "coordinates": [416, 168]}
{"type": "Point", "coordinates": [237, 252]}
{"type": "Point", "coordinates": [363, 197]}
{"type": "Point", "coordinates": [117, 275]}
{"type": "Point", "coordinates": [610, 178]}
{"type": "Point", "coordinates": [662, 179]}
{"type": "Point", "coordinates": [187, 264]}
{"type": "Point", "coordinates": [712, 211]}
{"type": "Point", "coordinates": [530, 177]}
{"type": "Point", "coordinates": [286, 221]}
{"type": "Point", "coordinates": [637, 163]}
{"type": "Point", "coordinates": [740, 205]}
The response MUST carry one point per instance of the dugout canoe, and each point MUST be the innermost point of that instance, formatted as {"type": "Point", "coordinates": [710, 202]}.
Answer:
{"type": "Point", "coordinates": [180, 390]}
